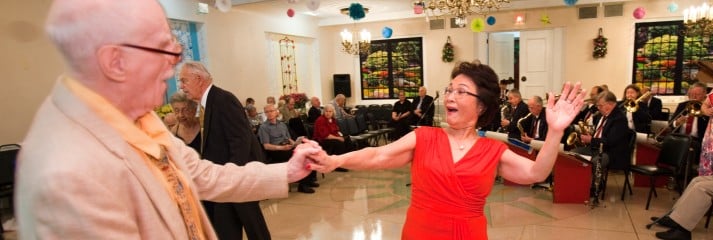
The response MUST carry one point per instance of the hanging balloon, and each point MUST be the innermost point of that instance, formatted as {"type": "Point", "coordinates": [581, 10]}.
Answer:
{"type": "Point", "coordinates": [477, 25]}
{"type": "Point", "coordinates": [491, 20]}
{"type": "Point", "coordinates": [313, 5]}
{"type": "Point", "coordinates": [570, 2]}
{"type": "Point", "coordinates": [290, 12]}
{"type": "Point", "coordinates": [672, 7]}
{"type": "Point", "coordinates": [639, 13]}
{"type": "Point", "coordinates": [386, 32]}
{"type": "Point", "coordinates": [356, 11]}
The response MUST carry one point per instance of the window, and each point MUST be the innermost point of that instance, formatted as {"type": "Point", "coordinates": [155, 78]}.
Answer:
{"type": "Point", "coordinates": [393, 65]}
{"type": "Point", "coordinates": [665, 59]}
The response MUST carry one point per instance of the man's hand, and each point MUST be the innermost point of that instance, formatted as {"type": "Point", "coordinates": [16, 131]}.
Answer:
{"type": "Point", "coordinates": [298, 166]}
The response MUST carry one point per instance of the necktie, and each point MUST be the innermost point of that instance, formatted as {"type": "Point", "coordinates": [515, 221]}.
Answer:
{"type": "Point", "coordinates": [689, 125]}
{"type": "Point", "coordinates": [533, 131]}
{"type": "Point", "coordinates": [179, 194]}
{"type": "Point", "coordinates": [201, 117]}
{"type": "Point", "coordinates": [598, 134]}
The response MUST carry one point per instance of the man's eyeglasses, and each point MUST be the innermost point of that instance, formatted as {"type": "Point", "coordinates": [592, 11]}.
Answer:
{"type": "Point", "coordinates": [458, 92]}
{"type": "Point", "coordinates": [154, 50]}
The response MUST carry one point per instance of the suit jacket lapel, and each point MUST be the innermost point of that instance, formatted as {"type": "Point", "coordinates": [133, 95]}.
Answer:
{"type": "Point", "coordinates": [209, 105]}
{"type": "Point", "coordinates": [79, 112]}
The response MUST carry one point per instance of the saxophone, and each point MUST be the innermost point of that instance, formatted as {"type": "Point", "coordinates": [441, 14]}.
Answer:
{"type": "Point", "coordinates": [519, 124]}
{"type": "Point", "coordinates": [504, 114]}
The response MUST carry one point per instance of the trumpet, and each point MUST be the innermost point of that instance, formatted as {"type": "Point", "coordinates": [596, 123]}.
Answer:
{"type": "Point", "coordinates": [519, 124]}
{"type": "Point", "coordinates": [633, 105]}
{"type": "Point", "coordinates": [693, 108]}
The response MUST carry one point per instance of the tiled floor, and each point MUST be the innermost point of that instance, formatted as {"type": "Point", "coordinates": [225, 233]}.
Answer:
{"type": "Point", "coordinates": [372, 205]}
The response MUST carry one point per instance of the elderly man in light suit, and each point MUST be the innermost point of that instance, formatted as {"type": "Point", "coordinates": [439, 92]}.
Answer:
{"type": "Point", "coordinates": [97, 163]}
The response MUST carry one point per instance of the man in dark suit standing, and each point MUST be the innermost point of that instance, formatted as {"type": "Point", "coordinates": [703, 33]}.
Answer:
{"type": "Point", "coordinates": [227, 137]}
{"type": "Point", "coordinates": [423, 108]}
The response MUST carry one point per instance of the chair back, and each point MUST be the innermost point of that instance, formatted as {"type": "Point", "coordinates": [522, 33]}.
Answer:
{"type": "Point", "coordinates": [632, 146]}
{"type": "Point", "coordinates": [8, 157]}
{"type": "Point", "coordinates": [674, 150]}
{"type": "Point", "coordinates": [343, 126]}
{"type": "Point", "coordinates": [353, 127]}
{"type": "Point", "coordinates": [362, 126]}
{"type": "Point", "coordinates": [297, 128]}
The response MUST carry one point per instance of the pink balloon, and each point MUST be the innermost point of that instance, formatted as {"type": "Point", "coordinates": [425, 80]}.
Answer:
{"type": "Point", "coordinates": [290, 12]}
{"type": "Point", "coordinates": [639, 13]}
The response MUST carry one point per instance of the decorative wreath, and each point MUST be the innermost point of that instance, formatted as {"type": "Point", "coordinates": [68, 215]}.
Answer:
{"type": "Point", "coordinates": [600, 46]}
{"type": "Point", "coordinates": [448, 53]}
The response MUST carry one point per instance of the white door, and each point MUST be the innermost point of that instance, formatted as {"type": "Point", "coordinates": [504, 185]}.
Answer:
{"type": "Point", "coordinates": [501, 54]}
{"type": "Point", "coordinates": [537, 63]}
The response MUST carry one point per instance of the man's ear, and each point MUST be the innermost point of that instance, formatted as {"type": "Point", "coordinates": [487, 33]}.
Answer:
{"type": "Point", "coordinates": [111, 62]}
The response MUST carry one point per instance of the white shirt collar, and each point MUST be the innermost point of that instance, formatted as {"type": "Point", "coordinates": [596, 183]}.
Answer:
{"type": "Point", "coordinates": [204, 99]}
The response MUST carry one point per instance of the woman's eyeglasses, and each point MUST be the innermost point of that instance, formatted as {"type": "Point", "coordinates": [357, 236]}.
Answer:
{"type": "Point", "coordinates": [458, 92]}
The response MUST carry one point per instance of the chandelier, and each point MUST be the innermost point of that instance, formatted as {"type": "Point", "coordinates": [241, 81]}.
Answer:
{"type": "Point", "coordinates": [698, 21]}
{"type": "Point", "coordinates": [461, 8]}
{"type": "Point", "coordinates": [350, 45]}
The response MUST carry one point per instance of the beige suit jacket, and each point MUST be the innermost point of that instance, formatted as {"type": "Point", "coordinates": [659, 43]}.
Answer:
{"type": "Point", "coordinates": [78, 179]}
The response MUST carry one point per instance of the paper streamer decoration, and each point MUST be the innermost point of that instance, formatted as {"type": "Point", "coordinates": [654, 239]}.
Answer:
{"type": "Point", "coordinates": [290, 12]}
{"type": "Point", "coordinates": [491, 20]}
{"type": "Point", "coordinates": [313, 5]}
{"type": "Point", "coordinates": [639, 13]}
{"type": "Point", "coordinates": [477, 25]}
{"type": "Point", "coordinates": [386, 32]}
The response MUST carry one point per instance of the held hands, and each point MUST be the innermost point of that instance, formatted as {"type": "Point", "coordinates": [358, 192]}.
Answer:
{"type": "Point", "coordinates": [298, 166]}
{"type": "Point", "coordinates": [560, 113]}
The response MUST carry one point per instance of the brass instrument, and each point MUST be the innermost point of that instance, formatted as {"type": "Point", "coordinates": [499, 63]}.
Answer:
{"type": "Point", "coordinates": [505, 114]}
{"type": "Point", "coordinates": [693, 108]}
{"type": "Point", "coordinates": [519, 124]}
{"type": "Point", "coordinates": [633, 105]}
{"type": "Point", "coordinates": [574, 138]}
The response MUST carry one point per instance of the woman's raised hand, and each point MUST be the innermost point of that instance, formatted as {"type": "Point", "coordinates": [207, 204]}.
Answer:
{"type": "Point", "coordinates": [560, 113]}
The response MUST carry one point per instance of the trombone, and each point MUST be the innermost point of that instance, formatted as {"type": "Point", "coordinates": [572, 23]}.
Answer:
{"type": "Point", "coordinates": [633, 105]}
{"type": "Point", "coordinates": [693, 108]}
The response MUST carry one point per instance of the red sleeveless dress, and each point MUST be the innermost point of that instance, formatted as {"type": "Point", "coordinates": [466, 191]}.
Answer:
{"type": "Point", "coordinates": [447, 198]}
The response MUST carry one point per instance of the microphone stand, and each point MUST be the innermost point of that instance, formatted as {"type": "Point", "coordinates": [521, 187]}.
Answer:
{"type": "Point", "coordinates": [427, 110]}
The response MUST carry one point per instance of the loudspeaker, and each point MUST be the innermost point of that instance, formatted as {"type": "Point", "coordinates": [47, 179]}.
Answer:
{"type": "Point", "coordinates": [342, 84]}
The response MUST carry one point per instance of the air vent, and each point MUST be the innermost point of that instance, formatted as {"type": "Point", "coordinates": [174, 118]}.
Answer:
{"type": "Point", "coordinates": [588, 12]}
{"type": "Point", "coordinates": [437, 24]}
{"type": "Point", "coordinates": [614, 10]}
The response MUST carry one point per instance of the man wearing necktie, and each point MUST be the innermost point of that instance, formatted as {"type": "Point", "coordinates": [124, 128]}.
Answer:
{"type": "Point", "coordinates": [227, 138]}
{"type": "Point", "coordinates": [695, 126]}
{"type": "Point", "coordinates": [611, 132]}
{"type": "Point", "coordinates": [537, 126]}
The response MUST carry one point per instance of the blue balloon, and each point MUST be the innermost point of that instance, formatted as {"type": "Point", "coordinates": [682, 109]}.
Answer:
{"type": "Point", "coordinates": [570, 2]}
{"type": "Point", "coordinates": [386, 32]}
{"type": "Point", "coordinates": [491, 21]}
{"type": "Point", "coordinates": [672, 7]}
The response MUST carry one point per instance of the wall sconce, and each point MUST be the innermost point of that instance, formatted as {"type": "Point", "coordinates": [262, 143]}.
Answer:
{"type": "Point", "coordinates": [519, 18]}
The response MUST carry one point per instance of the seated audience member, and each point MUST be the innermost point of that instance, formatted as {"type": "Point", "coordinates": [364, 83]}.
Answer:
{"type": "Point", "coordinates": [339, 103]}
{"type": "Point", "coordinates": [688, 210]}
{"type": "Point", "coordinates": [518, 110]}
{"type": "Point", "coordinates": [327, 134]}
{"type": "Point", "coordinates": [288, 110]}
{"type": "Point", "coordinates": [188, 128]}
{"type": "Point", "coordinates": [611, 132]}
{"type": "Point", "coordinates": [275, 138]}
{"type": "Point", "coordinates": [423, 108]}
{"type": "Point", "coordinates": [400, 115]}
{"type": "Point", "coordinates": [170, 120]}
{"type": "Point", "coordinates": [314, 111]}
{"type": "Point", "coordinates": [639, 120]}
{"type": "Point", "coordinates": [253, 117]}
{"type": "Point", "coordinates": [536, 125]}
{"type": "Point", "coordinates": [655, 105]}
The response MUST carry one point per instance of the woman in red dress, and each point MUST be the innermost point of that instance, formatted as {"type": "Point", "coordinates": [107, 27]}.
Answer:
{"type": "Point", "coordinates": [453, 169]}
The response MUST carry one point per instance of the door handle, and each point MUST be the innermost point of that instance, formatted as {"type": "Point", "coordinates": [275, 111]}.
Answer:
{"type": "Point", "coordinates": [523, 78]}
